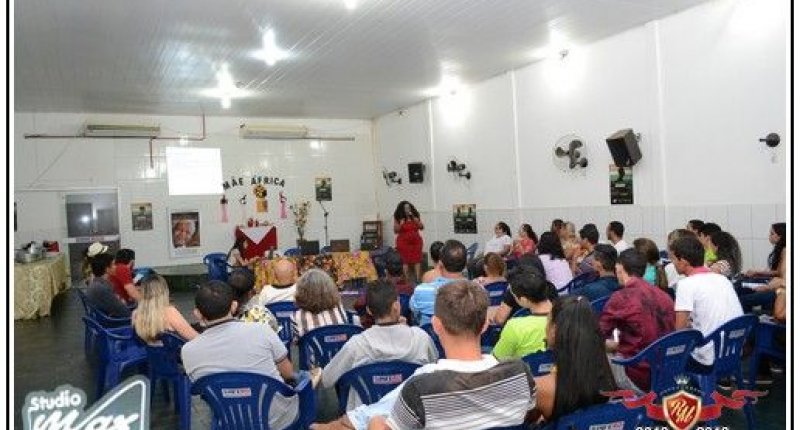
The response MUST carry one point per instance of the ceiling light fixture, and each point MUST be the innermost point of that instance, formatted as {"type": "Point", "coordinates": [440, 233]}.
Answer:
{"type": "Point", "coordinates": [350, 4]}
{"type": "Point", "coordinates": [270, 52]}
{"type": "Point", "coordinates": [227, 89]}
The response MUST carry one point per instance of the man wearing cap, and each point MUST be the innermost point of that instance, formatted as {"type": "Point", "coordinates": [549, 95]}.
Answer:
{"type": "Point", "coordinates": [100, 293]}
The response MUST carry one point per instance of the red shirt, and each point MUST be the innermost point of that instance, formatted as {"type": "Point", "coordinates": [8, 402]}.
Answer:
{"type": "Point", "coordinates": [119, 278]}
{"type": "Point", "coordinates": [643, 314]}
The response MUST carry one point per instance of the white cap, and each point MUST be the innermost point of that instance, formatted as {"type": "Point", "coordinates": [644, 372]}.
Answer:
{"type": "Point", "coordinates": [97, 248]}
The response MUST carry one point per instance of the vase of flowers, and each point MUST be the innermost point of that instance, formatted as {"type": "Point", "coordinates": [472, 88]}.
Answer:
{"type": "Point", "coordinates": [300, 212]}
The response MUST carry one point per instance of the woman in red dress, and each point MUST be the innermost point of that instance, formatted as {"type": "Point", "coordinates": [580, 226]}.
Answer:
{"type": "Point", "coordinates": [409, 243]}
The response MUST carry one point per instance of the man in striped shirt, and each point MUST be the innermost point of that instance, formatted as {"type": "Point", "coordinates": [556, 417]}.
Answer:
{"type": "Point", "coordinates": [467, 389]}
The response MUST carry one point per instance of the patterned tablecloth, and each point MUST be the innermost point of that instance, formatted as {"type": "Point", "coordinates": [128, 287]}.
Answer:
{"type": "Point", "coordinates": [342, 266]}
{"type": "Point", "coordinates": [35, 285]}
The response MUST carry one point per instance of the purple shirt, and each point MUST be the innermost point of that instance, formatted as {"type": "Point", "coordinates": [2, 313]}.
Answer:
{"type": "Point", "coordinates": [556, 270]}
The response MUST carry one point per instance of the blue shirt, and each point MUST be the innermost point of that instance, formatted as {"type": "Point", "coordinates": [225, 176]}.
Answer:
{"type": "Point", "coordinates": [424, 299]}
{"type": "Point", "coordinates": [650, 274]}
{"type": "Point", "coordinates": [601, 287]}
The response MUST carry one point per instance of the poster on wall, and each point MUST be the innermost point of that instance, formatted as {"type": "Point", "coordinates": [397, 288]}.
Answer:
{"type": "Point", "coordinates": [465, 219]}
{"type": "Point", "coordinates": [185, 233]}
{"type": "Point", "coordinates": [142, 216]}
{"type": "Point", "coordinates": [323, 189]}
{"type": "Point", "coordinates": [621, 185]}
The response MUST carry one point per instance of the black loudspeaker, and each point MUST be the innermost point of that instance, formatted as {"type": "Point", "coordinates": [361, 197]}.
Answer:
{"type": "Point", "coordinates": [415, 172]}
{"type": "Point", "coordinates": [624, 148]}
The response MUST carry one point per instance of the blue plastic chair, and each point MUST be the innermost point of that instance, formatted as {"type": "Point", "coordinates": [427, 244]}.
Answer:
{"type": "Point", "coordinates": [372, 381]}
{"type": "Point", "coordinates": [318, 346]}
{"type": "Point", "coordinates": [728, 340]}
{"type": "Point", "coordinates": [577, 282]}
{"type": "Point", "coordinates": [496, 291]}
{"type": "Point", "coordinates": [284, 313]}
{"type": "Point", "coordinates": [429, 329]}
{"type": "Point", "coordinates": [666, 358]}
{"type": "Point", "coordinates": [599, 304]}
{"type": "Point", "coordinates": [490, 337]}
{"type": "Point", "coordinates": [292, 252]}
{"type": "Point", "coordinates": [765, 345]}
{"type": "Point", "coordinates": [241, 400]}
{"type": "Point", "coordinates": [522, 312]}
{"type": "Point", "coordinates": [119, 349]}
{"type": "Point", "coordinates": [325, 249]}
{"type": "Point", "coordinates": [471, 250]}
{"type": "Point", "coordinates": [164, 364]}
{"type": "Point", "coordinates": [404, 300]}
{"type": "Point", "coordinates": [611, 415]}
{"type": "Point", "coordinates": [217, 264]}
{"type": "Point", "coordinates": [144, 271]}
{"type": "Point", "coordinates": [541, 363]}
{"type": "Point", "coordinates": [90, 334]}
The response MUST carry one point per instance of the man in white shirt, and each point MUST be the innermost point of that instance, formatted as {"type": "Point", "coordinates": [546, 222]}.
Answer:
{"type": "Point", "coordinates": [704, 300]}
{"type": "Point", "coordinates": [614, 233]}
{"type": "Point", "coordinates": [284, 288]}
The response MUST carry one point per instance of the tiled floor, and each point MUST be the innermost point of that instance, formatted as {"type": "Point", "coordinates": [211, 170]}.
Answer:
{"type": "Point", "coordinates": [48, 352]}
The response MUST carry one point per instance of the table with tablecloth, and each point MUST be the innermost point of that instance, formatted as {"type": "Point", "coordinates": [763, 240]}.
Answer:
{"type": "Point", "coordinates": [342, 266]}
{"type": "Point", "coordinates": [35, 285]}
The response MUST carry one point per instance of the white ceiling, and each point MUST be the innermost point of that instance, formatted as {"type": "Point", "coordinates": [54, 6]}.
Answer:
{"type": "Point", "coordinates": [155, 56]}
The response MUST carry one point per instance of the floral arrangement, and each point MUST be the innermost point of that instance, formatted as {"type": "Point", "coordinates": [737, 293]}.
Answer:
{"type": "Point", "coordinates": [300, 212]}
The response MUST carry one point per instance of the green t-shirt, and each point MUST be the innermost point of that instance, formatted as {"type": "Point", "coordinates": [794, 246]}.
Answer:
{"type": "Point", "coordinates": [522, 336]}
{"type": "Point", "coordinates": [709, 257]}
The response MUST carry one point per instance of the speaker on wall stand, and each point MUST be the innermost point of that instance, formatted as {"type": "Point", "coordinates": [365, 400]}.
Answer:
{"type": "Point", "coordinates": [624, 147]}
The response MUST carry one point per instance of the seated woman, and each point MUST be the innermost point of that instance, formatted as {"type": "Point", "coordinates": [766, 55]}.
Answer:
{"type": "Point", "coordinates": [654, 274]}
{"type": "Point", "coordinates": [249, 307]}
{"type": "Point", "coordinates": [729, 256]}
{"type": "Point", "coordinates": [434, 252]}
{"type": "Point", "coordinates": [526, 241]}
{"type": "Point", "coordinates": [525, 335]}
{"type": "Point", "coordinates": [236, 253]}
{"type": "Point", "coordinates": [581, 370]}
{"type": "Point", "coordinates": [494, 269]}
{"type": "Point", "coordinates": [569, 240]}
{"type": "Point", "coordinates": [501, 242]}
{"type": "Point", "coordinates": [556, 267]}
{"type": "Point", "coordinates": [764, 296]}
{"type": "Point", "coordinates": [155, 314]}
{"type": "Point", "coordinates": [318, 303]}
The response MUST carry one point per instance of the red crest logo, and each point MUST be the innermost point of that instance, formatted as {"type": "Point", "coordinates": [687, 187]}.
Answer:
{"type": "Point", "coordinates": [682, 410]}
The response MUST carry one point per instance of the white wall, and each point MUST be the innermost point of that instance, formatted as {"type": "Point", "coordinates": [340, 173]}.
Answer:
{"type": "Point", "coordinates": [700, 86]}
{"type": "Point", "coordinates": [124, 164]}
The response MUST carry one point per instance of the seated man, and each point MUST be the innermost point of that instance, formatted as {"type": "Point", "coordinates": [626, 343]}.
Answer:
{"type": "Point", "coordinates": [604, 260]}
{"type": "Point", "coordinates": [284, 288]}
{"type": "Point", "coordinates": [641, 313]}
{"type": "Point", "coordinates": [122, 276]}
{"type": "Point", "coordinates": [100, 292]}
{"type": "Point", "coordinates": [454, 259]}
{"type": "Point", "coordinates": [396, 276]}
{"type": "Point", "coordinates": [434, 252]}
{"type": "Point", "coordinates": [230, 345]}
{"type": "Point", "coordinates": [704, 300]}
{"type": "Point", "coordinates": [388, 339]}
{"type": "Point", "coordinates": [465, 377]}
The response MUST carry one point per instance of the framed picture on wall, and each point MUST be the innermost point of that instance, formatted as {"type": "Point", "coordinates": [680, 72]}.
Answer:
{"type": "Point", "coordinates": [322, 186]}
{"type": "Point", "coordinates": [184, 240]}
{"type": "Point", "coordinates": [465, 219]}
{"type": "Point", "coordinates": [142, 216]}
{"type": "Point", "coordinates": [621, 185]}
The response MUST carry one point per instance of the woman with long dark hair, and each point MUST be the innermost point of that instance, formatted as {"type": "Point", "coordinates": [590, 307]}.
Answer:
{"type": "Point", "coordinates": [581, 370]}
{"type": "Point", "coordinates": [777, 258]}
{"type": "Point", "coordinates": [407, 224]}
{"type": "Point", "coordinates": [551, 253]}
{"type": "Point", "coordinates": [729, 256]}
{"type": "Point", "coordinates": [654, 273]}
{"type": "Point", "coordinates": [525, 242]}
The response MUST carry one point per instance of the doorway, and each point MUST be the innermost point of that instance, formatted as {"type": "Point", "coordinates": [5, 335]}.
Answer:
{"type": "Point", "coordinates": [91, 216]}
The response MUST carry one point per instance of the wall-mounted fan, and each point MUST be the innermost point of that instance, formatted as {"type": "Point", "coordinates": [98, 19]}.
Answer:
{"type": "Point", "coordinates": [391, 177]}
{"type": "Point", "coordinates": [570, 153]}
